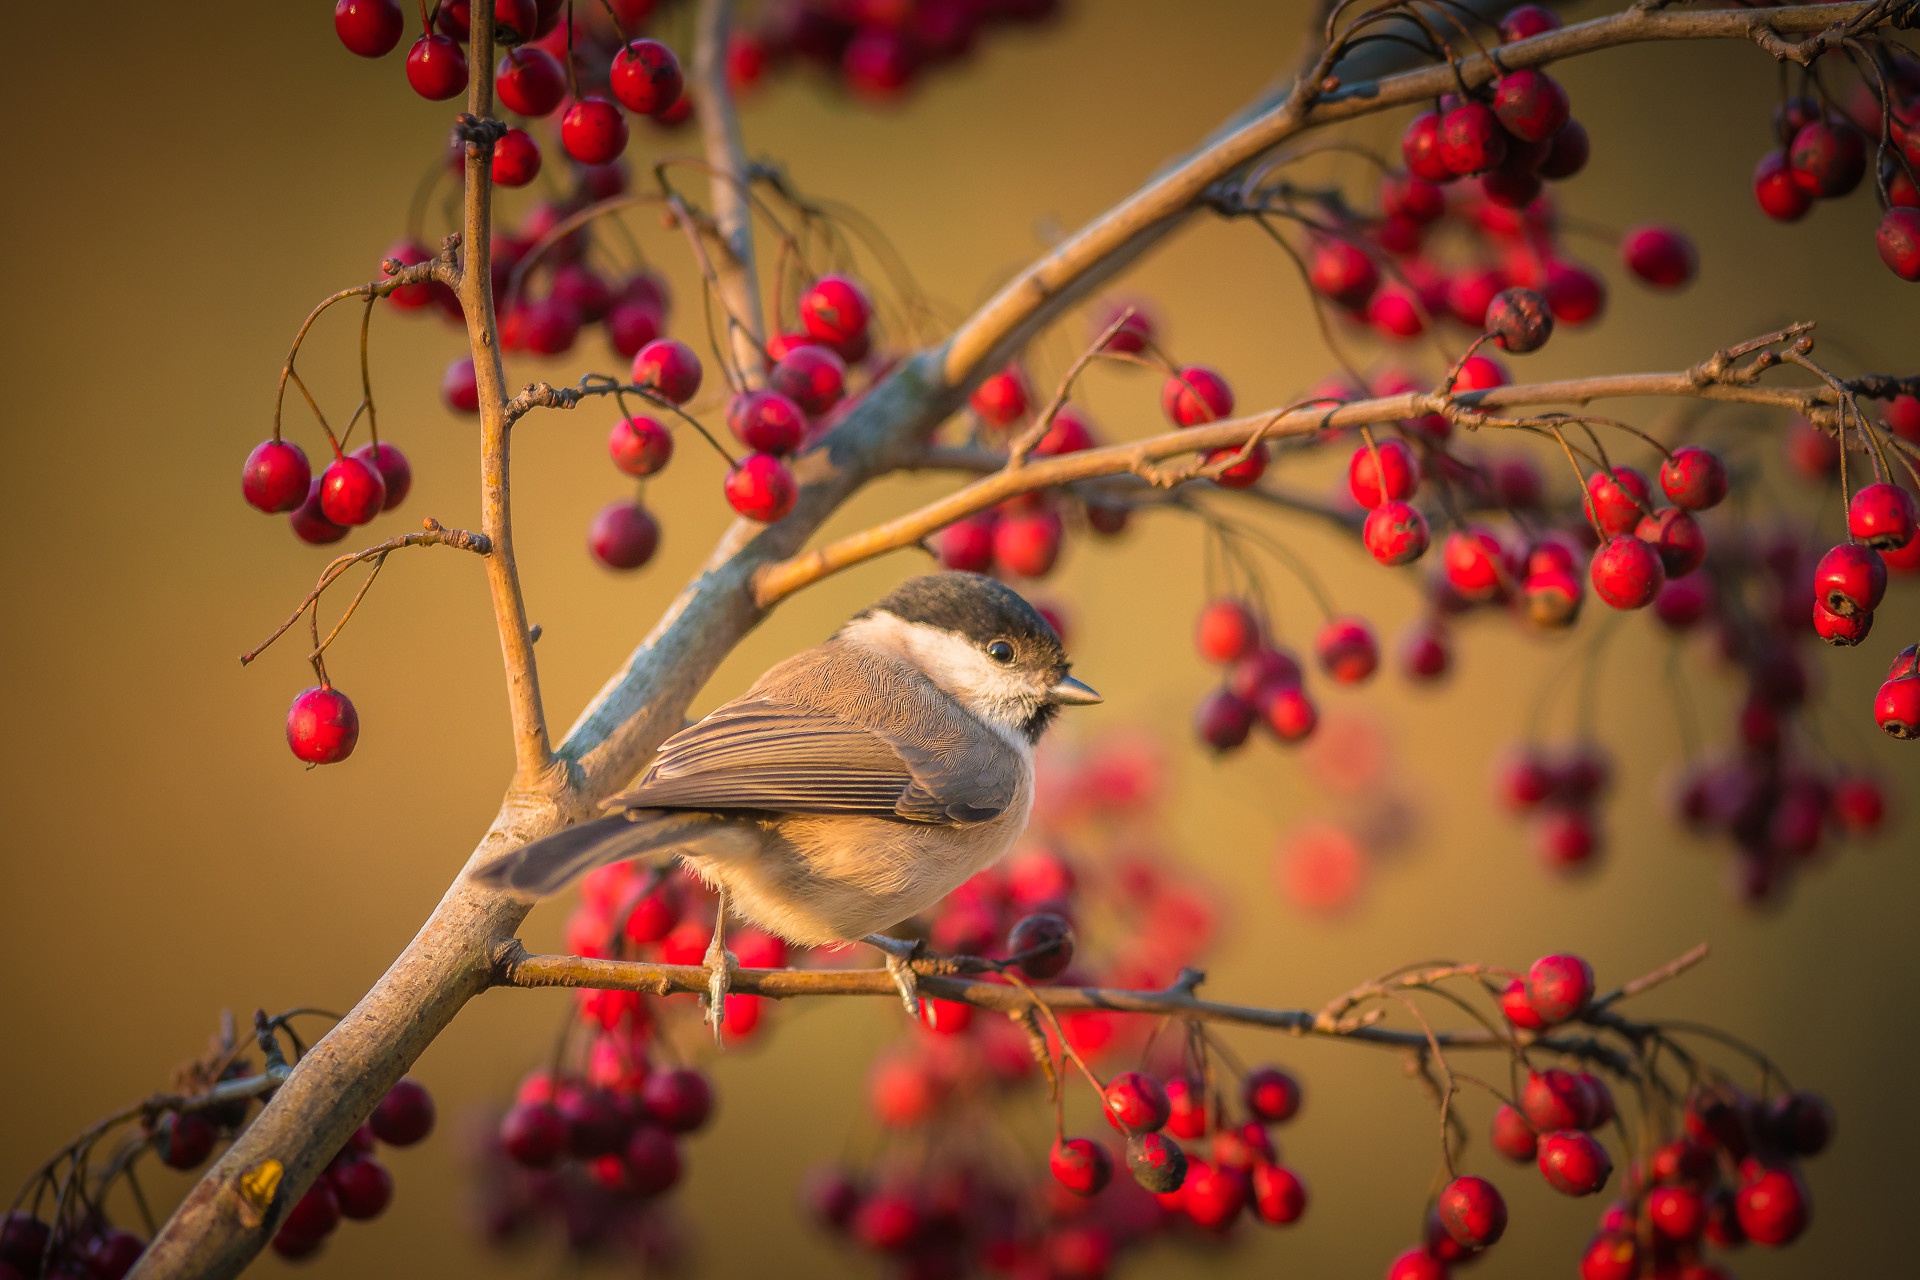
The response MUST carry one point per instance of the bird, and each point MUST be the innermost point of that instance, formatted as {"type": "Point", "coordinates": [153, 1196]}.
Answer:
{"type": "Point", "coordinates": [853, 786]}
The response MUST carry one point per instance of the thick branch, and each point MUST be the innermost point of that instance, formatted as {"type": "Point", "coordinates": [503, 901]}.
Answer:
{"type": "Point", "coordinates": [739, 279]}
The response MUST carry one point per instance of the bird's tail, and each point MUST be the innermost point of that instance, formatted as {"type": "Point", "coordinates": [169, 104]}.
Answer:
{"type": "Point", "coordinates": [550, 864]}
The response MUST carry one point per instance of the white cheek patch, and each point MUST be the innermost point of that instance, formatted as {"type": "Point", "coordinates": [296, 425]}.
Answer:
{"type": "Point", "coordinates": [1002, 696]}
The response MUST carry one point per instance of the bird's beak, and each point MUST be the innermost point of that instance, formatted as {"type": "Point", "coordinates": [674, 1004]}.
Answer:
{"type": "Point", "coordinates": [1072, 693]}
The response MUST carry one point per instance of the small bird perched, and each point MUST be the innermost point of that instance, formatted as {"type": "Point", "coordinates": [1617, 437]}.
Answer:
{"type": "Point", "coordinates": [854, 785]}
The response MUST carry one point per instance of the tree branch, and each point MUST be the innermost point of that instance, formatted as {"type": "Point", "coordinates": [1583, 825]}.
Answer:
{"type": "Point", "coordinates": [739, 279]}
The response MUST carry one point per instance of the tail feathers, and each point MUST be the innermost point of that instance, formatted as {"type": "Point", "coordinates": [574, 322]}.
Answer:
{"type": "Point", "coordinates": [550, 864]}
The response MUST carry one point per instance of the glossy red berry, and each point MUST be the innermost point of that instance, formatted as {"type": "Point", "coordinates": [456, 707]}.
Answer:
{"type": "Point", "coordinates": [404, 1116]}
{"type": "Point", "coordinates": [1471, 139]}
{"type": "Point", "coordinates": [1390, 461]}
{"type": "Point", "coordinates": [640, 445]}
{"type": "Point", "coordinates": [516, 159]}
{"type": "Point", "coordinates": [530, 82]}
{"type": "Point", "coordinates": [1627, 573]}
{"type": "Point", "coordinates": [1276, 1194]}
{"type": "Point", "coordinates": [623, 535]}
{"type": "Point", "coordinates": [1530, 105]}
{"type": "Point", "coordinates": [276, 476]}
{"type": "Point", "coordinates": [1575, 294]}
{"type": "Point", "coordinates": [646, 77]}
{"type": "Point", "coordinates": [322, 725]}
{"type": "Point", "coordinates": [363, 1186]}
{"type": "Point", "coordinates": [1226, 631]}
{"type": "Point", "coordinates": [678, 1100]}
{"type": "Point", "coordinates": [1473, 562]}
{"type": "Point", "coordinates": [1342, 271]}
{"type": "Point", "coordinates": [517, 21]}
{"type": "Point", "coordinates": [1574, 1163]}
{"type": "Point", "coordinates": [1288, 712]}
{"type": "Point", "coordinates": [1512, 1136]}
{"type": "Point", "coordinates": [1480, 373]}
{"type": "Point", "coordinates": [1027, 544]}
{"type": "Point", "coordinates": [437, 68]}
{"type": "Point", "coordinates": [315, 1214]}
{"type": "Point", "coordinates": [1212, 1196]}
{"type": "Point", "coordinates": [652, 1160]}
{"type": "Point", "coordinates": [767, 421]}
{"type": "Point", "coordinates": [1081, 1165]}
{"type": "Point", "coordinates": [184, 1139]}
{"type": "Point", "coordinates": [1611, 1255]}
{"type": "Point", "coordinates": [396, 473]}
{"type": "Point", "coordinates": [835, 311]}
{"type": "Point", "coordinates": [967, 544]}
{"type": "Point", "coordinates": [1567, 152]}
{"type": "Point", "coordinates": [1773, 1207]}
{"type": "Point", "coordinates": [1693, 478]}
{"type": "Point", "coordinates": [1896, 708]}
{"type": "Point", "coordinates": [1416, 1264]}
{"type": "Point", "coordinates": [1043, 945]}
{"type": "Point", "coordinates": [1555, 1099]}
{"type": "Point", "coordinates": [1850, 579]}
{"type": "Point", "coordinates": [1527, 21]}
{"type": "Point", "coordinates": [1779, 196]}
{"type": "Point", "coordinates": [533, 1134]}
{"type": "Point", "coordinates": [310, 523]}
{"type": "Point", "coordinates": [1347, 649]}
{"type": "Point", "coordinates": [1676, 538]}
{"type": "Point", "coordinates": [351, 491]}
{"type": "Point", "coordinates": [1882, 515]}
{"type": "Point", "coordinates": [1827, 158]}
{"type": "Point", "coordinates": [1662, 256]}
{"type": "Point", "coordinates": [1194, 395]}
{"type": "Point", "coordinates": [1001, 399]}
{"type": "Point", "coordinates": [1271, 1095]}
{"type": "Point", "coordinates": [762, 488]}
{"type": "Point", "coordinates": [1676, 1213]}
{"type": "Point", "coordinates": [593, 131]}
{"type": "Point", "coordinates": [1898, 240]}
{"type": "Point", "coordinates": [812, 377]}
{"type": "Point", "coordinates": [370, 28]}
{"type": "Point", "coordinates": [1135, 1103]}
{"type": "Point", "coordinates": [1472, 1211]}
{"type": "Point", "coordinates": [1395, 533]}
{"type": "Point", "coordinates": [1559, 987]}
{"type": "Point", "coordinates": [1519, 320]}
{"type": "Point", "coordinates": [1420, 148]}
{"type": "Point", "coordinates": [1224, 719]}
{"type": "Point", "coordinates": [669, 368]}
{"type": "Point", "coordinates": [459, 388]}
{"type": "Point", "coordinates": [1800, 1123]}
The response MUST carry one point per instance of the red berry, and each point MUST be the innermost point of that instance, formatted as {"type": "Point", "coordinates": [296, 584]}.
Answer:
{"type": "Point", "coordinates": [1157, 1163]}
{"type": "Point", "coordinates": [517, 21]}
{"type": "Point", "coordinates": [1002, 398]}
{"type": "Point", "coordinates": [1677, 1213]}
{"type": "Point", "coordinates": [436, 68]}
{"type": "Point", "coordinates": [593, 131]}
{"type": "Point", "coordinates": [623, 535]}
{"type": "Point", "coordinates": [1394, 462]}
{"type": "Point", "coordinates": [1480, 373]}
{"type": "Point", "coordinates": [1898, 240]}
{"type": "Point", "coordinates": [1276, 1194]}
{"type": "Point", "coordinates": [310, 523]}
{"type": "Point", "coordinates": [632, 325]}
{"type": "Point", "coordinates": [1187, 1108]}
{"type": "Point", "coordinates": [1473, 562]}
{"type": "Point", "coordinates": [1773, 1207]}
{"type": "Point", "coordinates": [1343, 271]}
{"type": "Point", "coordinates": [530, 82]}
{"type": "Point", "coordinates": [646, 77]}
{"type": "Point", "coordinates": [1574, 1163]}
{"type": "Point", "coordinates": [1026, 544]}
{"type": "Point", "coordinates": [276, 477]}
{"type": "Point", "coordinates": [761, 487]}
{"type": "Point", "coordinates": [967, 544]}
{"type": "Point", "coordinates": [1272, 1096]}
{"type": "Point", "coordinates": [812, 377]}
{"type": "Point", "coordinates": [1827, 158]}
{"type": "Point", "coordinates": [1530, 104]}
{"type": "Point", "coordinates": [1527, 21]}
{"type": "Point", "coordinates": [1243, 474]}
{"type": "Point", "coordinates": [1850, 579]}
{"type": "Point", "coordinates": [1611, 1256]}
{"type": "Point", "coordinates": [1135, 1103]}
{"type": "Point", "coordinates": [315, 1214]}
{"type": "Point", "coordinates": [1555, 1099]}
{"type": "Point", "coordinates": [1896, 709]}
{"type": "Point", "coordinates": [1395, 533]}
{"type": "Point", "coordinates": [1800, 1123]}
{"type": "Point", "coordinates": [1213, 1197]}
{"type": "Point", "coordinates": [1473, 1212]}
{"type": "Point", "coordinates": [183, 1139]}
{"type": "Point", "coordinates": [322, 725]}
{"type": "Point", "coordinates": [1575, 294]}
{"type": "Point", "coordinates": [1347, 649]}
{"type": "Point", "coordinates": [1779, 196]}
{"type": "Point", "coordinates": [1882, 516]}
{"type": "Point", "coordinates": [1559, 987]}
{"type": "Point", "coordinates": [680, 1101]}
{"type": "Point", "coordinates": [1693, 478]}
{"type": "Point", "coordinates": [652, 1160]}
{"type": "Point", "coordinates": [396, 473]}
{"type": "Point", "coordinates": [1512, 1136]}
{"type": "Point", "coordinates": [370, 28]}
{"type": "Point", "coordinates": [887, 1222]}
{"type": "Point", "coordinates": [363, 1187]}
{"type": "Point", "coordinates": [1674, 535]}
{"type": "Point", "coordinates": [404, 1116]}
{"type": "Point", "coordinates": [767, 421]}
{"type": "Point", "coordinates": [1471, 139]}
{"type": "Point", "coordinates": [1567, 152]}
{"type": "Point", "coordinates": [516, 159]}
{"type": "Point", "coordinates": [1660, 255]}
{"type": "Point", "coordinates": [351, 491]}
{"type": "Point", "coordinates": [1289, 713]}
{"type": "Point", "coordinates": [23, 1242]}
{"type": "Point", "coordinates": [1627, 573]}
{"type": "Point", "coordinates": [1224, 720]}
{"type": "Point", "coordinates": [1194, 395]}
{"type": "Point", "coordinates": [1420, 147]}
{"type": "Point", "coordinates": [533, 1134]}
{"type": "Point", "coordinates": [1081, 1165]}
{"type": "Point", "coordinates": [669, 368]}
{"type": "Point", "coordinates": [1903, 417]}
{"type": "Point", "coordinates": [1416, 1264]}
{"type": "Point", "coordinates": [1519, 321]}
{"type": "Point", "coordinates": [835, 311]}
{"type": "Point", "coordinates": [640, 445]}
{"type": "Point", "coordinates": [1227, 631]}
{"type": "Point", "coordinates": [459, 387]}
{"type": "Point", "coordinates": [1043, 943]}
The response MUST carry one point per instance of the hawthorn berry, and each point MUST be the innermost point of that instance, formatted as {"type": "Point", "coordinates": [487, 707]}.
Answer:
{"type": "Point", "coordinates": [1473, 563]}
{"type": "Point", "coordinates": [1575, 294]}
{"type": "Point", "coordinates": [1780, 197]}
{"type": "Point", "coordinates": [1395, 533]}
{"type": "Point", "coordinates": [310, 522]}
{"type": "Point", "coordinates": [1386, 472]}
{"type": "Point", "coordinates": [1519, 321]}
{"type": "Point", "coordinates": [967, 544]}
{"type": "Point", "coordinates": [1530, 105]}
{"type": "Point", "coordinates": [1081, 1165]}
{"type": "Point", "coordinates": [1473, 1212]}
{"type": "Point", "coordinates": [1026, 544]}
{"type": "Point", "coordinates": [1347, 649]}
{"type": "Point", "coordinates": [184, 1139]}
{"type": "Point", "coordinates": [811, 376]}
{"type": "Point", "coordinates": [1041, 945]}
{"type": "Point", "coordinates": [1882, 515]}
{"type": "Point", "coordinates": [322, 725]}
{"type": "Point", "coordinates": [1512, 1136]}
{"type": "Point", "coordinates": [1276, 1194]}
{"type": "Point", "coordinates": [1559, 987]}
{"type": "Point", "coordinates": [1416, 1264]}
{"type": "Point", "coordinates": [1194, 395]}
{"type": "Point", "coordinates": [761, 487]}
{"type": "Point", "coordinates": [623, 535]}
{"type": "Point", "coordinates": [652, 1160]}
{"type": "Point", "coordinates": [351, 491]}
{"type": "Point", "coordinates": [436, 68]}
{"type": "Point", "coordinates": [1677, 539]}
{"type": "Point", "coordinates": [1773, 1207]}
{"type": "Point", "coordinates": [1574, 1163]}
{"type": "Point", "coordinates": [1850, 579]}
{"type": "Point", "coordinates": [593, 131]}
{"type": "Point", "coordinates": [767, 421]}
{"type": "Point", "coordinates": [1693, 478]}
{"type": "Point", "coordinates": [1859, 806]}
{"type": "Point", "coordinates": [1662, 256]}
{"type": "Point", "coordinates": [1001, 399]}
{"type": "Point", "coordinates": [1420, 148]}
{"type": "Point", "coordinates": [1342, 271]}
{"type": "Point", "coordinates": [1471, 140]}
{"type": "Point", "coordinates": [516, 159]}
{"type": "Point", "coordinates": [363, 1186]}
{"type": "Point", "coordinates": [1225, 718]}
{"type": "Point", "coordinates": [1677, 1213]}
{"type": "Point", "coordinates": [404, 1116]}
{"type": "Point", "coordinates": [1567, 152]}
{"type": "Point", "coordinates": [1611, 1255]}
{"type": "Point", "coordinates": [533, 1134]}
{"type": "Point", "coordinates": [1157, 1163]}
{"type": "Point", "coordinates": [276, 477]}
{"type": "Point", "coordinates": [1288, 712]}
{"type": "Point", "coordinates": [1827, 158]}
{"type": "Point", "coordinates": [370, 28]}
{"type": "Point", "coordinates": [1898, 240]}
{"type": "Point", "coordinates": [835, 311]}
{"type": "Point", "coordinates": [1800, 1123]}
{"type": "Point", "coordinates": [669, 368]}
{"type": "Point", "coordinates": [1526, 21]}
{"type": "Point", "coordinates": [646, 77]}
{"type": "Point", "coordinates": [1135, 1102]}
{"type": "Point", "coordinates": [1555, 1099]}
{"type": "Point", "coordinates": [530, 82]}
{"type": "Point", "coordinates": [1896, 708]}
{"type": "Point", "coordinates": [315, 1215]}
{"type": "Point", "coordinates": [1627, 573]}
{"type": "Point", "coordinates": [1553, 597]}
{"type": "Point", "coordinates": [640, 445]}
{"type": "Point", "coordinates": [1212, 1196]}
{"type": "Point", "coordinates": [1480, 373]}
{"type": "Point", "coordinates": [518, 21]}
{"type": "Point", "coordinates": [396, 473]}
{"type": "Point", "coordinates": [1271, 1095]}
{"type": "Point", "coordinates": [1226, 631]}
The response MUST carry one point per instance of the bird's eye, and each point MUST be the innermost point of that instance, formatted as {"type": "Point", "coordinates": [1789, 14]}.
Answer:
{"type": "Point", "coordinates": [1000, 651]}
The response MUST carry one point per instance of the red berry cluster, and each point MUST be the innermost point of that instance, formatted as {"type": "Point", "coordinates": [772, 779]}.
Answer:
{"type": "Point", "coordinates": [878, 50]}
{"type": "Point", "coordinates": [1265, 683]}
{"type": "Point", "coordinates": [1562, 795]}
{"type": "Point", "coordinates": [355, 1186]}
{"type": "Point", "coordinates": [1823, 150]}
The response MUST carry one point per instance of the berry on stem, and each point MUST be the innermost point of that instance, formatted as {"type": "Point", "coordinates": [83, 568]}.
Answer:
{"type": "Point", "coordinates": [1194, 395]}
{"type": "Point", "coordinates": [1473, 1212]}
{"type": "Point", "coordinates": [668, 367]}
{"type": "Point", "coordinates": [623, 535]}
{"type": "Point", "coordinates": [436, 68]}
{"type": "Point", "coordinates": [761, 487]}
{"type": "Point", "coordinates": [640, 445]}
{"type": "Point", "coordinates": [593, 131]}
{"type": "Point", "coordinates": [1081, 1165]}
{"type": "Point", "coordinates": [1271, 1095]}
{"type": "Point", "coordinates": [276, 476]}
{"type": "Point", "coordinates": [646, 77]}
{"type": "Point", "coordinates": [1574, 1163]}
{"type": "Point", "coordinates": [322, 726]}
{"type": "Point", "coordinates": [370, 28]}
{"type": "Point", "coordinates": [1694, 478]}
{"type": "Point", "coordinates": [404, 1116]}
{"type": "Point", "coordinates": [351, 491]}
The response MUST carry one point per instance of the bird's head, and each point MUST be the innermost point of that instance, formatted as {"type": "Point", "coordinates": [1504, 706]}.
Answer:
{"type": "Point", "coordinates": [982, 643]}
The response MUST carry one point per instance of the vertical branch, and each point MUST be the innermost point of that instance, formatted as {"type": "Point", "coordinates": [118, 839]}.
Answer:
{"type": "Point", "coordinates": [739, 279]}
{"type": "Point", "coordinates": [532, 752]}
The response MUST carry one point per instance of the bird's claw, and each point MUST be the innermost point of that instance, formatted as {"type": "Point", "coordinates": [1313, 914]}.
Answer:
{"type": "Point", "coordinates": [720, 964]}
{"type": "Point", "coordinates": [906, 982]}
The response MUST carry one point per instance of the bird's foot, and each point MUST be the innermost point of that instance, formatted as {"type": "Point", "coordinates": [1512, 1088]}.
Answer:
{"type": "Point", "coordinates": [900, 956]}
{"type": "Point", "coordinates": [720, 964]}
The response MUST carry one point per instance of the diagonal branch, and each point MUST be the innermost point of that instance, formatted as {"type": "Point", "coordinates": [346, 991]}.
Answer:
{"type": "Point", "coordinates": [738, 277]}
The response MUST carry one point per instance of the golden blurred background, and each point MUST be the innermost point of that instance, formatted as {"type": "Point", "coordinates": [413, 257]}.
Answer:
{"type": "Point", "coordinates": [187, 187]}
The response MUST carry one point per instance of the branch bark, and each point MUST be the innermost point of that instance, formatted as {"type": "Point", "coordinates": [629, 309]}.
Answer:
{"type": "Point", "coordinates": [739, 278]}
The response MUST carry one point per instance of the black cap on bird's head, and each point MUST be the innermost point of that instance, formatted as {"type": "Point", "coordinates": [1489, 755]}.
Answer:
{"type": "Point", "coordinates": [997, 621]}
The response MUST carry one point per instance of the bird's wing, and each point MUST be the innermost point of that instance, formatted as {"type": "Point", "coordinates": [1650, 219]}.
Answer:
{"type": "Point", "coordinates": [889, 746]}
